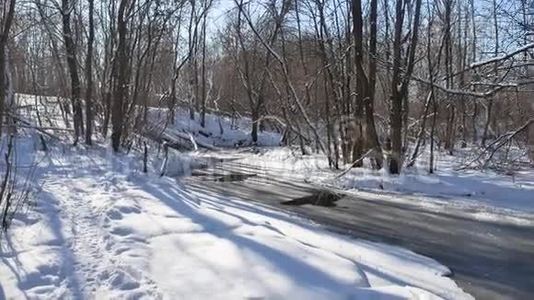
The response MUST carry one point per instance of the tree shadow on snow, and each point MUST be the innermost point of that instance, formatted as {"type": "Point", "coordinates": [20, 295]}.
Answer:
{"type": "Point", "coordinates": [308, 276]}
{"type": "Point", "coordinates": [43, 274]}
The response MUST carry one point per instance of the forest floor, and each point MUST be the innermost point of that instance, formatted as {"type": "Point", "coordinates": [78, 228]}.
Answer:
{"type": "Point", "coordinates": [214, 226]}
{"type": "Point", "coordinates": [97, 227]}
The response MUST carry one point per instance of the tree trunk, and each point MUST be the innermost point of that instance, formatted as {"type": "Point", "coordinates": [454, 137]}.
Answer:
{"type": "Point", "coordinates": [255, 120]}
{"type": "Point", "coordinates": [89, 76]}
{"type": "Point", "coordinates": [203, 74]}
{"type": "Point", "coordinates": [395, 113]}
{"type": "Point", "coordinates": [485, 133]}
{"type": "Point", "coordinates": [372, 136]}
{"type": "Point", "coordinates": [66, 9]}
{"type": "Point", "coordinates": [365, 86]}
{"type": "Point", "coordinates": [121, 77]}
{"type": "Point", "coordinates": [399, 86]}
{"type": "Point", "coordinates": [4, 34]}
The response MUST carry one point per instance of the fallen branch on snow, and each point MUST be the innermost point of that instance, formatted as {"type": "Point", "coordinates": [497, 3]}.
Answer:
{"type": "Point", "coordinates": [497, 144]}
{"type": "Point", "coordinates": [366, 154]}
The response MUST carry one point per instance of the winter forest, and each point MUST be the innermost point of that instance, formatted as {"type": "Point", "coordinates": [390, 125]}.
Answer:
{"type": "Point", "coordinates": [266, 149]}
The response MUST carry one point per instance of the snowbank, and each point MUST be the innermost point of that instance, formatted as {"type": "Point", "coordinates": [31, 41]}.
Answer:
{"type": "Point", "coordinates": [219, 130]}
{"type": "Point", "coordinates": [489, 194]}
{"type": "Point", "coordinates": [471, 188]}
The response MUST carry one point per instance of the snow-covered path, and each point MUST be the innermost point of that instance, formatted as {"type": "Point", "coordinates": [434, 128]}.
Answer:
{"type": "Point", "coordinates": [97, 267]}
{"type": "Point", "coordinates": [100, 229]}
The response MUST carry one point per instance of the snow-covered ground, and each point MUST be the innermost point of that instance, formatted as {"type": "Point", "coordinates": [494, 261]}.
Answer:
{"type": "Point", "coordinates": [482, 194]}
{"type": "Point", "coordinates": [99, 228]}
{"type": "Point", "coordinates": [488, 193]}
{"type": "Point", "coordinates": [219, 130]}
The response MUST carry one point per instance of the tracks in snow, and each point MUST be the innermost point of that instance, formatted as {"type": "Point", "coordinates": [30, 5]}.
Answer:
{"type": "Point", "coordinates": [86, 210]}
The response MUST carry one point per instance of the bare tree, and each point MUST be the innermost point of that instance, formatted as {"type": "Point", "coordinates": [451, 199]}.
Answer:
{"type": "Point", "coordinates": [89, 77]}
{"type": "Point", "coordinates": [7, 14]}
{"type": "Point", "coordinates": [400, 81]}
{"type": "Point", "coordinates": [366, 84]}
{"type": "Point", "coordinates": [120, 73]}
{"type": "Point", "coordinates": [67, 7]}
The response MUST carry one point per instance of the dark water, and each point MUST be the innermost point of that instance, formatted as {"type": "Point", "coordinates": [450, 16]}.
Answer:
{"type": "Point", "coordinates": [319, 198]}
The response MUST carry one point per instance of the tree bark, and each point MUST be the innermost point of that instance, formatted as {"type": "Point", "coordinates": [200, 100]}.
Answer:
{"type": "Point", "coordinates": [399, 85]}
{"type": "Point", "coordinates": [365, 86]}
{"type": "Point", "coordinates": [89, 75]}
{"type": "Point", "coordinates": [70, 47]}
{"type": "Point", "coordinates": [120, 76]}
{"type": "Point", "coordinates": [4, 34]}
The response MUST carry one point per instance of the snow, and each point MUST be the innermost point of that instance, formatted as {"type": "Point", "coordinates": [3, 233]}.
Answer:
{"type": "Point", "coordinates": [486, 191]}
{"type": "Point", "coordinates": [481, 194]}
{"type": "Point", "coordinates": [219, 130]}
{"type": "Point", "coordinates": [502, 57]}
{"type": "Point", "coordinates": [99, 228]}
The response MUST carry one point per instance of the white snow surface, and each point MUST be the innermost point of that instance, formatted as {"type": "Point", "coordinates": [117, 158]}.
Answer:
{"type": "Point", "coordinates": [218, 130]}
{"type": "Point", "coordinates": [98, 228]}
{"type": "Point", "coordinates": [482, 194]}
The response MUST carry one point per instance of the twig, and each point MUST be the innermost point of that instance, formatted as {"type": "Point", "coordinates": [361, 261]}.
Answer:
{"type": "Point", "coordinates": [366, 154]}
